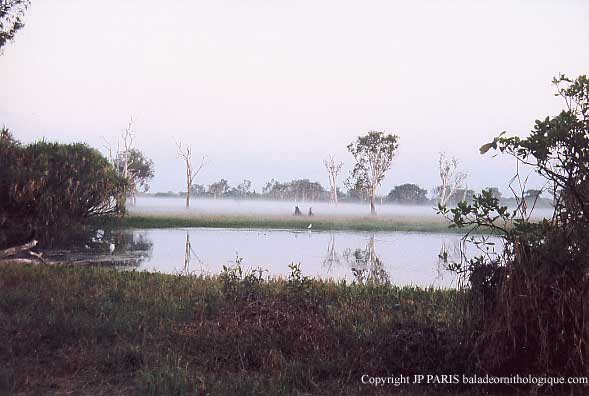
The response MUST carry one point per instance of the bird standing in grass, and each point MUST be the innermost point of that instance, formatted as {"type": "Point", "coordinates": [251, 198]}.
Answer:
{"type": "Point", "coordinates": [309, 226]}
{"type": "Point", "coordinates": [99, 234]}
{"type": "Point", "coordinates": [111, 247]}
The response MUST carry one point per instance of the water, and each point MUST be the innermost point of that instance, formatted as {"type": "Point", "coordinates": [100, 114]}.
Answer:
{"type": "Point", "coordinates": [404, 258]}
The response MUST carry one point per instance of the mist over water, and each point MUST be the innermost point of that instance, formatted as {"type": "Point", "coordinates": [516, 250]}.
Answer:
{"type": "Point", "coordinates": [267, 207]}
{"type": "Point", "coordinates": [403, 258]}
{"type": "Point", "coordinates": [208, 206]}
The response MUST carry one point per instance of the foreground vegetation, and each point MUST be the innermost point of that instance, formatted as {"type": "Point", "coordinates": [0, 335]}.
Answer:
{"type": "Point", "coordinates": [97, 331]}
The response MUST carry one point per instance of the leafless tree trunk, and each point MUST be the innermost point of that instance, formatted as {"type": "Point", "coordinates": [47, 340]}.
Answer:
{"type": "Point", "coordinates": [13, 251]}
{"type": "Point", "coordinates": [185, 153]}
{"type": "Point", "coordinates": [121, 156]}
{"type": "Point", "coordinates": [451, 179]}
{"type": "Point", "coordinates": [333, 169]}
{"type": "Point", "coordinates": [127, 135]}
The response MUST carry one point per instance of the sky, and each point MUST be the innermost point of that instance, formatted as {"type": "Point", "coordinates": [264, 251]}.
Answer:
{"type": "Point", "coordinates": [268, 89]}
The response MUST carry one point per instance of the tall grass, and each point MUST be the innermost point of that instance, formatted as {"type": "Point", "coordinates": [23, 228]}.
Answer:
{"type": "Point", "coordinates": [351, 223]}
{"type": "Point", "coordinates": [98, 331]}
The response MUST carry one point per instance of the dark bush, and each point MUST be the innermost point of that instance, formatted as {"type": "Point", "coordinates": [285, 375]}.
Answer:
{"type": "Point", "coordinates": [48, 187]}
{"type": "Point", "coordinates": [531, 301]}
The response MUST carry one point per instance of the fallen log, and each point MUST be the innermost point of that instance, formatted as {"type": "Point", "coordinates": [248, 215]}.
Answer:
{"type": "Point", "coordinates": [23, 261]}
{"type": "Point", "coordinates": [13, 251]}
{"type": "Point", "coordinates": [38, 256]}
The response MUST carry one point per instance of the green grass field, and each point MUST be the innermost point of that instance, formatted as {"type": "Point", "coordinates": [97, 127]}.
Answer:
{"type": "Point", "coordinates": [91, 331]}
{"type": "Point", "coordinates": [352, 223]}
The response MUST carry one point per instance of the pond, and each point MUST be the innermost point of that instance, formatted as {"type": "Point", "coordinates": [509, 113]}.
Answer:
{"type": "Point", "coordinates": [404, 258]}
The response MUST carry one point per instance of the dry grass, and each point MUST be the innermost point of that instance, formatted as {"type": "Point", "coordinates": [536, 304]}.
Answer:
{"type": "Point", "coordinates": [96, 331]}
{"type": "Point", "coordinates": [431, 223]}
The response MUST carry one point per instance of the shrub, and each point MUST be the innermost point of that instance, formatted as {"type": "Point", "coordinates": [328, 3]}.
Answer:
{"type": "Point", "coordinates": [51, 186]}
{"type": "Point", "coordinates": [531, 300]}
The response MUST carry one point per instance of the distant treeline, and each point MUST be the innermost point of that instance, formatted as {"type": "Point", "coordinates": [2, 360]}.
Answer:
{"type": "Point", "coordinates": [306, 190]}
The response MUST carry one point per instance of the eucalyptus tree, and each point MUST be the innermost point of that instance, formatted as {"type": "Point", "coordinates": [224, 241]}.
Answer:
{"type": "Point", "coordinates": [408, 194]}
{"type": "Point", "coordinates": [333, 169]}
{"type": "Point", "coordinates": [185, 154]}
{"type": "Point", "coordinates": [244, 189]}
{"type": "Point", "coordinates": [532, 193]}
{"type": "Point", "coordinates": [139, 171]}
{"type": "Point", "coordinates": [130, 163]}
{"type": "Point", "coordinates": [11, 18]}
{"type": "Point", "coordinates": [301, 189]}
{"type": "Point", "coordinates": [219, 188]}
{"type": "Point", "coordinates": [374, 153]}
{"type": "Point", "coordinates": [451, 179]}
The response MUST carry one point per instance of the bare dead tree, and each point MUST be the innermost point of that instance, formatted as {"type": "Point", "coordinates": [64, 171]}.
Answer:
{"type": "Point", "coordinates": [465, 193]}
{"type": "Point", "coordinates": [127, 136]}
{"type": "Point", "coordinates": [120, 158]}
{"type": "Point", "coordinates": [451, 179]}
{"type": "Point", "coordinates": [518, 187]}
{"type": "Point", "coordinates": [108, 147]}
{"type": "Point", "coordinates": [185, 154]}
{"type": "Point", "coordinates": [333, 169]}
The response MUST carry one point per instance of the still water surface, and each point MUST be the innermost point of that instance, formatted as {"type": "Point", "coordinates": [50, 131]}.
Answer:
{"type": "Point", "coordinates": [404, 258]}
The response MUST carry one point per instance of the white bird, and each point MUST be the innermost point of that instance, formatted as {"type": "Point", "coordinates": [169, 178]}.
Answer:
{"type": "Point", "coordinates": [309, 226]}
{"type": "Point", "coordinates": [111, 247]}
{"type": "Point", "coordinates": [99, 234]}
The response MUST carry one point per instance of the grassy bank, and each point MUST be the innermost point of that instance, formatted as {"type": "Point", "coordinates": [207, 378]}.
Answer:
{"type": "Point", "coordinates": [341, 223]}
{"type": "Point", "coordinates": [97, 332]}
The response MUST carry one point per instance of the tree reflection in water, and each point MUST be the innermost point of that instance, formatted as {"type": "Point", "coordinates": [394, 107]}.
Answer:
{"type": "Point", "coordinates": [448, 252]}
{"type": "Point", "coordinates": [131, 249]}
{"type": "Point", "coordinates": [332, 257]}
{"type": "Point", "coordinates": [455, 255]}
{"type": "Point", "coordinates": [188, 255]}
{"type": "Point", "coordinates": [364, 262]}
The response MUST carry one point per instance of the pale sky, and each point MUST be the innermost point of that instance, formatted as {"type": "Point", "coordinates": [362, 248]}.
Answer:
{"type": "Point", "coordinates": [267, 89]}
